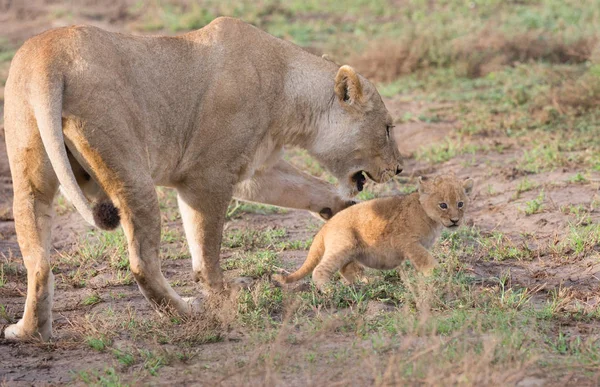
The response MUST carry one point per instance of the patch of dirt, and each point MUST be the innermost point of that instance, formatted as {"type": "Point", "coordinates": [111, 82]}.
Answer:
{"type": "Point", "coordinates": [415, 133]}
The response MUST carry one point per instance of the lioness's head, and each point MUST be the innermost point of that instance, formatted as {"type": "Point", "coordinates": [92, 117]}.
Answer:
{"type": "Point", "coordinates": [356, 138]}
{"type": "Point", "coordinates": [445, 198]}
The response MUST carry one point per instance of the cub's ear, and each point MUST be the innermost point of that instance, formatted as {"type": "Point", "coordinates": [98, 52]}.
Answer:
{"type": "Point", "coordinates": [347, 86]}
{"type": "Point", "coordinates": [468, 185]}
{"type": "Point", "coordinates": [422, 183]}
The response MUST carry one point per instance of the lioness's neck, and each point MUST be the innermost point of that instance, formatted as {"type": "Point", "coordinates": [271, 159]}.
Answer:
{"type": "Point", "coordinates": [308, 96]}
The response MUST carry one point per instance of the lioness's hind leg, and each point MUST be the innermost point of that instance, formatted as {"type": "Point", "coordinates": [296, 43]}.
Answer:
{"type": "Point", "coordinates": [90, 187]}
{"type": "Point", "coordinates": [141, 222]}
{"type": "Point", "coordinates": [35, 186]}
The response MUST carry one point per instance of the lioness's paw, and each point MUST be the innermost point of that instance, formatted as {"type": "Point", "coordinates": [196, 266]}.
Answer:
{"type": "Point", "coordinates": [196, 304]}
{"type": "Point", "coordinates": [16, 332]}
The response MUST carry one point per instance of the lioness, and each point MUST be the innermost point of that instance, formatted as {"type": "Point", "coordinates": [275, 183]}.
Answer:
{"type": "Point", "coordinates": [382, 233]}
{"type": "Point", "coordinates": [110, 116]}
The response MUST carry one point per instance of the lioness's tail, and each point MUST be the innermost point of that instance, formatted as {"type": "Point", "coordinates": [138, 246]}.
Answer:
{"type": "Point", "coordinates": [47, 105]}
{"type": "Point", "coordinates": [317, 249]}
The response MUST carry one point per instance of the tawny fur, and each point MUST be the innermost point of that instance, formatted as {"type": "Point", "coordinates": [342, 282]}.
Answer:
{"type": "Point", "coordinates": [382, 233]}
{"type": "Point", "coordinates": [109, 116]}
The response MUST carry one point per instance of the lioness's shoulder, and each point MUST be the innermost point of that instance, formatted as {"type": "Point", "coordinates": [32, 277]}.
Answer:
{"type": "Point", "coordinates": [229, 26]}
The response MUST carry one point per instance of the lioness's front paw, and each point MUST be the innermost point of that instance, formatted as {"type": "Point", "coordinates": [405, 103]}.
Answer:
{"type": "Point", "coordinates": [17, 332]}
{"type": "Point", "coordinates": [196, 304]}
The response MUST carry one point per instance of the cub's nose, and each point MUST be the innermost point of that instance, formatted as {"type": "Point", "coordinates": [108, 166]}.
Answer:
{"type": "Point", "coordinates": [398, 170]}
{"type": "Point", "coordinates": [454, 221]}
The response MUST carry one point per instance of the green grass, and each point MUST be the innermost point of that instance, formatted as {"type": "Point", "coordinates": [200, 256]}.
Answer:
{"type": "Point", "coordinates": [442, 152]}
{"type": "Point", "coordinates": [238, 208]}
{"type": "Point", "coordinates": [109, 377]}
{"type": "Point", "coordinates": [98, 343]}
{"type": "Point", "coordinates": [524, 186]}
{"type": "Point", "coordinates": [534, 206]}
{"type": "Point", "coordinates": [578, 178]}
{"type": "Point", "coordinates": [91, 300]}
{"type": "Point", "coordinates": [251, 239]}
{"type": "Point", "coordinates": [255, 264]}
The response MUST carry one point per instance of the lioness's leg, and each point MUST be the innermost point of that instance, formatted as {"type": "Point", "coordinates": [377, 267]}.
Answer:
{"type": "Point", "coordinates": [203, 216]}
{"type": "Point", "coordinates": [284, 185]}
{"type": "Point", "coordinates": [140, 218]}
{"type": "Point", "coordinates": [35, 186]}
{"type": "Point", "coordinates": [118, 168]}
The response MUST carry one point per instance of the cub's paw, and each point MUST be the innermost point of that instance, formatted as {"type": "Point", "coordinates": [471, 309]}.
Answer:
{"type": "Point", "coordinates": [279, 279]}
{"type": "Point", "coordinates": [427, 271]}
{"type": "Point", "coordinates": [326, 289]}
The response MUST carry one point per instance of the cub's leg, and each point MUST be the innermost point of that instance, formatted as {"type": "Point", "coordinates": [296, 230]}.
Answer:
{"type": "Point", "coordinates": [284, 185]}
{"type": "Point", "coordinates": [338, 254]}
{"type": "Point", "coordinates": [421, 258]}
{"type": "Point", "coordinates": [352, 272]}
{"type": "Point", "coordinates": [35, 186]}
{"type": "Point", "coordinates": [203, 215]}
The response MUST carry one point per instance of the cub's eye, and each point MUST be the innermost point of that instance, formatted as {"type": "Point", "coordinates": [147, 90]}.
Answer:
{"type": "Point", "coordinates": [387, 130]}
{"type": "Point", "coordinates": [460, 204]}
{"type": "Point", "coordinates": [443, 206]}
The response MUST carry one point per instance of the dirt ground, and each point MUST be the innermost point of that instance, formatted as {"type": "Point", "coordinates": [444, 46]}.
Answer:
{"type": "Point", "coordinates": [496, 208]}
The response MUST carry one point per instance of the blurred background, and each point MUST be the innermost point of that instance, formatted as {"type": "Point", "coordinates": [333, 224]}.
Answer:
{"type": "Point", "coordinates": [545, 52]}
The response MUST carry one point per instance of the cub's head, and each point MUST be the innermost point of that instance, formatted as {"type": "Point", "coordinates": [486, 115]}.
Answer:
{"type": "Point", "coordinates": [445, 198]}
{"type": "Point", "coordinates": [356, 137]}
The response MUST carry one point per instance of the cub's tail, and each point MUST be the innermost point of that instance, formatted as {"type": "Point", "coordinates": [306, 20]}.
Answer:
{"type": "Point", "coordinates": [317, 249]}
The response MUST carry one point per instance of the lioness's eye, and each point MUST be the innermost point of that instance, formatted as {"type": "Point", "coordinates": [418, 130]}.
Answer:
{"type": "Point", "coordinates": [443, 206]}
{"type": "Point", "coordinates": [460, 204]}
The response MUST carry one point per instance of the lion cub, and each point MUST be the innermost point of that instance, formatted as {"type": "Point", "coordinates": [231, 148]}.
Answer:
{"type": "Point", "coordinates": [382, 233]}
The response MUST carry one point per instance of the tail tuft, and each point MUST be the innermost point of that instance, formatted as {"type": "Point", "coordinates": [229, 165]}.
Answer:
{"type": "Point", "coordinates": [106, 215]}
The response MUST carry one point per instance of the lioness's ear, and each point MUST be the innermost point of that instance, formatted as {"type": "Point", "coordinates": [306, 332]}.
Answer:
{"type": "Point", "coordinates": [421, 183]}
{"type": "Point", "coordinates": [347, 85]}
{"type": "Point", "coordinates": [468, 185]}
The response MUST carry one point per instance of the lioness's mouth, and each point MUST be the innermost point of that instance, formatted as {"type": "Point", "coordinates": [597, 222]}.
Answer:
{"type": "Point", "coordinates": [359, 179]}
